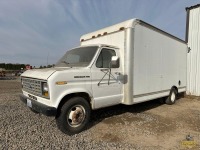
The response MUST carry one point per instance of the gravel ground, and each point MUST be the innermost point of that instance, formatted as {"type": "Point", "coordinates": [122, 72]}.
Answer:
{"type": "Point", "coordinates": [145, 126]}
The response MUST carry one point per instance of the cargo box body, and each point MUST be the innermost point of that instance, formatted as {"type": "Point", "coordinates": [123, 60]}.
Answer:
{"type": "Point", "coordinates": [151, 60]}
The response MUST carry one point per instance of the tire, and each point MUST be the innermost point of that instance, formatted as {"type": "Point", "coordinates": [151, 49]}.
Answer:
{"type": "Point", "coordinates": [34, 111]}
{"type": "Point", "coordinates": [74, 116]}
{"type": "Point", "coordinates": [171, 99]}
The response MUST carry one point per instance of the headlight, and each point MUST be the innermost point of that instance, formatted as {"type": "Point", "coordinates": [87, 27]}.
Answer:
{"type": "Point", "coordinates": [45, 89]}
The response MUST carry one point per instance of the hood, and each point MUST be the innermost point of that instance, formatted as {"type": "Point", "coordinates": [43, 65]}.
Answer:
{"type": "Point", "coordinates": [39, 73]}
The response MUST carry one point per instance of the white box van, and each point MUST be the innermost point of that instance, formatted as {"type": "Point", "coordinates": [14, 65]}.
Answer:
{"type": "Point", "coordinates": [127, 63]}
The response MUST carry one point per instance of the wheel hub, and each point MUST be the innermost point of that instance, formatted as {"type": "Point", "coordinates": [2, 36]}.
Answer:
{"type": "Point", "coordinates": [76, 116]}
{"type": "Point", "coordinates": [173, 97]}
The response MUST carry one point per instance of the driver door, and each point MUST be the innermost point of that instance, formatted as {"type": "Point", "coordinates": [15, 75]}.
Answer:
{"type": "Point", "coordinates": [107, 89]}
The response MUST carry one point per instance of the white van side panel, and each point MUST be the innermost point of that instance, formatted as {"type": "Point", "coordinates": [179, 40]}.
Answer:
{"type": "Point", "coordinates": [152, 61]}
{"type": "Point", "coordinates": [159, 63]}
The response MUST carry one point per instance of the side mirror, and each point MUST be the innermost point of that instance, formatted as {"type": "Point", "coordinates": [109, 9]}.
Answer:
{"type": "Point", "coordinates": [115, 62]}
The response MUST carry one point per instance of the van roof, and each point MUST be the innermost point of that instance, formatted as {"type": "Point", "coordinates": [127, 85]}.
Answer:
{"type": "Point", "coordinates": [110, 29]}
{"type": "Point", "coordinates": [121, 26]}
{"type": "Point", "coordinates": [99, 45]}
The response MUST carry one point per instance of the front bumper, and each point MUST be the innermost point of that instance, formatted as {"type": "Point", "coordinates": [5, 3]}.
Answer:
{"type": "Point", "coordinates": [39, 107]}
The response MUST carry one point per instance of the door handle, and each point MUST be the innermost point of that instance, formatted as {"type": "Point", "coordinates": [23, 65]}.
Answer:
{"type": "Point", "coordinates": [104, 70]}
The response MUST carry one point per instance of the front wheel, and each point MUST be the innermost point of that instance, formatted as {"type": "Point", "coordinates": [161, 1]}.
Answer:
{"type": "Point", "coordinates": [74, 116]}
{"type": "Point", "coordinates": [171, 99]}
{"type": "Point", "coordinates": [34, 111]}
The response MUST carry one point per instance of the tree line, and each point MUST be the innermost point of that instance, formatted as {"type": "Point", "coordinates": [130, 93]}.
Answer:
{"type": "Point", "coordinates": [12, 66]}
{"type": "Point", "coordinates": [48, 66]}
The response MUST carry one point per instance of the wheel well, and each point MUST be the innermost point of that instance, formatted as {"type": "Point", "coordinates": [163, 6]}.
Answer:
{"type": "Point", "coordinates": [175, 88]}
{"type": "Point", "coordinates": [67, 97]}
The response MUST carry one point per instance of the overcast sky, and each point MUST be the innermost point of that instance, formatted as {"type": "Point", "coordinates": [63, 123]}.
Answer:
{"type": "Point", "coordinates": [32, 30]}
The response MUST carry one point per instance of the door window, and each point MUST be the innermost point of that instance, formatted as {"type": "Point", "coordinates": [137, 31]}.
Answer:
{"type": "Point", "coordinates": [104, 58]}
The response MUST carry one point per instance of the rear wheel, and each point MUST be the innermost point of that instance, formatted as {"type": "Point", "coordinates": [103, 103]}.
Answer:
{"type": "Point", "coordinates": [171, 99]}
{"type": "Point", "coordinates": [74, 116]}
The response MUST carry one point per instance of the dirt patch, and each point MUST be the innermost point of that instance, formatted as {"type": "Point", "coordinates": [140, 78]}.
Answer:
{"type": "Point", "coordinates": [162, 127]}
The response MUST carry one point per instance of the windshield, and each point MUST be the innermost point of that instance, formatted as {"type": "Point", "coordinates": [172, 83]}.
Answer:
{"type": "Point", "coordinates": [79, 57]}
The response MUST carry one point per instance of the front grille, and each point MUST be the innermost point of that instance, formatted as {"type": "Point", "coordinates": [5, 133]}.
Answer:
{"type": "Point", "coordinates": [32, 86]}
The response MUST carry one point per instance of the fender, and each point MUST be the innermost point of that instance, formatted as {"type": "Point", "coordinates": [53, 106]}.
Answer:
{"type": "Point", "coordinates": [71, 91]}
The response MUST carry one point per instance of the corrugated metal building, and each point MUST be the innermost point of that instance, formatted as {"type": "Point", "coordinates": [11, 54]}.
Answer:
{"type": "Point", "coordinates": [193, 59]}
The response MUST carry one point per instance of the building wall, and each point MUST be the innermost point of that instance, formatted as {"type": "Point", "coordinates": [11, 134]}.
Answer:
{"type": "Point", "coordinates": [193, 58]}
